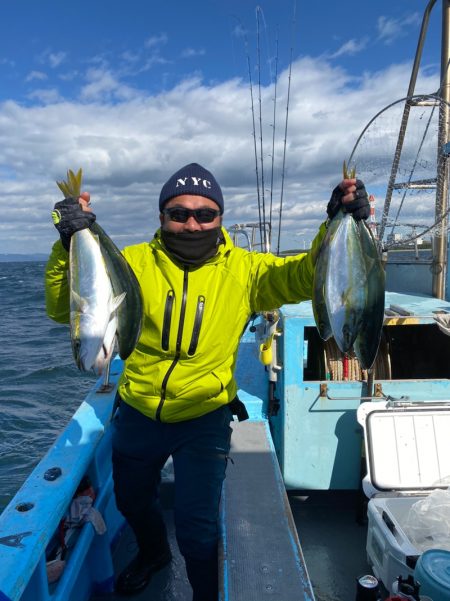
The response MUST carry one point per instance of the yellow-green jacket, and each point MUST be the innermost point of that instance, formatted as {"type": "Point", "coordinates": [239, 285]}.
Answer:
{"type": "Point", "coordinates": [193, 319]}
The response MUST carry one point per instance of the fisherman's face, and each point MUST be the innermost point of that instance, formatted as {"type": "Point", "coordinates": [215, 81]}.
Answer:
{"type": "Point", "coordinates": [188, 201]}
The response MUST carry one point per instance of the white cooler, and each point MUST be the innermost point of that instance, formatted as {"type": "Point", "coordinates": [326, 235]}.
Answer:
{"type": "Point", "coordinates": [407, 452]}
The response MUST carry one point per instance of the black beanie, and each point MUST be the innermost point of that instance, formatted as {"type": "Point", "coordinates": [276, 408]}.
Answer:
{"type": "Point", "coordinates": [192, 179]}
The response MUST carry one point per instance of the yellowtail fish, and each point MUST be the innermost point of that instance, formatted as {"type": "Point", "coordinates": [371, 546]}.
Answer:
{"type": "Point", "coordinates": [124, 284]}
{"type": "Point", "coordinates": [349, 285]}
{"type": "Point", "coordinates": [346, 283]}
{"type": "Point", "coordinates": [106, 302]}
{"type": "Point", "coordinates": [93, 306]}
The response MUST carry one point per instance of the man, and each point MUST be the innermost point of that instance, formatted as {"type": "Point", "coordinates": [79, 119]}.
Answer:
{"type": "Point", "coordinates": [178, 391]}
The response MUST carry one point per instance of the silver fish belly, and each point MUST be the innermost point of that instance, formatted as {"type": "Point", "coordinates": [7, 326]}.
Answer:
{"type": "Point", "coordinates": [92, 303]}
{"type": "Point", "coordinates": [346, 283]}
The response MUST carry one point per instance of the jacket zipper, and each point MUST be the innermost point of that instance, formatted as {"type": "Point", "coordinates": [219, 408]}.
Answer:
{"type": "Point", "coordinates": [178, 345]}
{"type": "Point", "coordinates": [197, 325]}
{"type": "Point", "coordinates": [167, 319]}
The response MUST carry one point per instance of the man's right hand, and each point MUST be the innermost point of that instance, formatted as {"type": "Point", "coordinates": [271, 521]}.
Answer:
{"type": "Point", "coordinates": [71, 215]}
{"type": "Point", "coordinates": [351, 196]}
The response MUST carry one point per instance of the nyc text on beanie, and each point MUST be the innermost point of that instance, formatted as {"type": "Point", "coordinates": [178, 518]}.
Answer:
{"type": "Point", "coordinates": [192, 179]}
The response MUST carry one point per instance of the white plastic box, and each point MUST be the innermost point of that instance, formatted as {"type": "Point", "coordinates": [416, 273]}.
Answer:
{"type": "Point", "coordinates": [408, 455]}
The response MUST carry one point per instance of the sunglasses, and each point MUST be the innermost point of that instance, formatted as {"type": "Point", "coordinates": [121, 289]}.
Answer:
{"type": "Point", "coordinates": [181, 215]}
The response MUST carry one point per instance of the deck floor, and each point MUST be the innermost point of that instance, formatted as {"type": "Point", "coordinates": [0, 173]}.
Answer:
{"type": "Point", "coordinates": [333, 542]}
{"type": "Point", "coordinates": [170, 584]}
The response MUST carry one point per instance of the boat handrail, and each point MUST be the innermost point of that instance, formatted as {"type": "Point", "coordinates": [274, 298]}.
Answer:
{"type": "Point", "coordinates": [31, 519]}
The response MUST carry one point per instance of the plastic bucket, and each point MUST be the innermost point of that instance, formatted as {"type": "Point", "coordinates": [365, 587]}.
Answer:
{"type": "Point", "coordinates": [432, 571]}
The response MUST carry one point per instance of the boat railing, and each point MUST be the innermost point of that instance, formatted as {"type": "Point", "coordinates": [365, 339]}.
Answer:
{"type": "Point", "coordinates": [255, 237]}
{"type": "Point", "coordinates": [30, 521]}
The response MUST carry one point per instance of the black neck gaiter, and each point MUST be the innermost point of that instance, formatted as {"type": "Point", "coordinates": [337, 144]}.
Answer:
{"type": "Point", "coordinates": [192, 248]}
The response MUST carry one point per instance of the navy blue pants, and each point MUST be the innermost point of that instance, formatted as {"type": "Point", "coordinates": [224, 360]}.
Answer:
{"type": "Point", "coordinates": [199, 449]}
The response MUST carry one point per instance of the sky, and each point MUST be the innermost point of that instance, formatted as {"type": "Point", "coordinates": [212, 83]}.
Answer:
{"type": "Point", "coordinates": [270, 97]}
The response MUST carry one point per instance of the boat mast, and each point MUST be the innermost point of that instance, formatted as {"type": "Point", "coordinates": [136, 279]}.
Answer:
{"type": "Point", "coordinates": [440, 239]}
{"type": "Point", "coordinates": [405, 117]}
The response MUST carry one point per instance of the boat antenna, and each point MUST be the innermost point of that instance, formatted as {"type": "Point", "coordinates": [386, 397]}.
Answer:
{"type": "Point", "coordinates": [285, 131]}
{"type": "Point", "coordinates": [273, 134]}
{"type": "Point", "coordinates": [262, 218]}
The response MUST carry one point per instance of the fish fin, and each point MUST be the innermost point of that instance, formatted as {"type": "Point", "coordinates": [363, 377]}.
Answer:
{"type": "Point", "coordinates": [63, 187]}
{"type": "Point", "coordinates": [79, 301]}
{"type": "Point", "coordinates": [348, 174]}
{"type": "Point", "coordinates": [74, 182]}
{"type": "Point", "coordinates": [117, 301]}
{"type": "Point", "coordinates": [71, 187]}
{"type": "Point", "coordinates": [344, 170]}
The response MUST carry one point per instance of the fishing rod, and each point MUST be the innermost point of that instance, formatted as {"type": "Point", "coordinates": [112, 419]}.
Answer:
{"type": "Point", "coordinates": [273, 135]}
{"type": "Point", "coordinates": [285, 131]}
{"type": "Point", "coordinates": [254, 133]}
{"type": "Point", "coordinates": [261, 153]}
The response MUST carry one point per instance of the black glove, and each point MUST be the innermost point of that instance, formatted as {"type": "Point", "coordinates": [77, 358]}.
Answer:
{"type": "Point", "coordinates": [69, 218]}
{"type": "Point", "coordinates": [359, 207]}
{"type": "Point", "coordinates": [335, 202]}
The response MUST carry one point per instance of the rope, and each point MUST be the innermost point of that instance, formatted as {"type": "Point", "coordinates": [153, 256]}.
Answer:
{"type": "Point", "coordinates": [340, 367]}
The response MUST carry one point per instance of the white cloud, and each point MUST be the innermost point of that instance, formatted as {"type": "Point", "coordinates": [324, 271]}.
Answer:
{"type": "Point", "coordinates": [240, 31]}
{"type": "Point", "coordinates": [53, 59]}
{"type": "Point", "coordinates": [390, 29]}
{"type": "Point", "coordinates": [130, 57]}
{"type": "Point", "coordinates": [151, 61]}
{"type": "Point", "coordinates": [157, 40]}
{"type": "Point", "coordinates": [36, 75]}
{"type": "Point", "coordinates": [103, 85]}
{"type": "Point", "coordinates": [56, 58]}
{"type": "Point", "coordinates": [350, 48]}
{"type": "Point", "coordinates": [128, 142]}
{"type": "Point", "coordinates": [45, 96]}
{"type": "Point", "coordinates": [8, 62]}
{"type": "Point", "coordinates": [68, 75]}
{"type": "Point", "coordinates": [192, 52]}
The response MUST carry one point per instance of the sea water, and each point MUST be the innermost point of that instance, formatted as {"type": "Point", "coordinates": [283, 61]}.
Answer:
{"type": "Point", "coordinates": [40, 386]}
